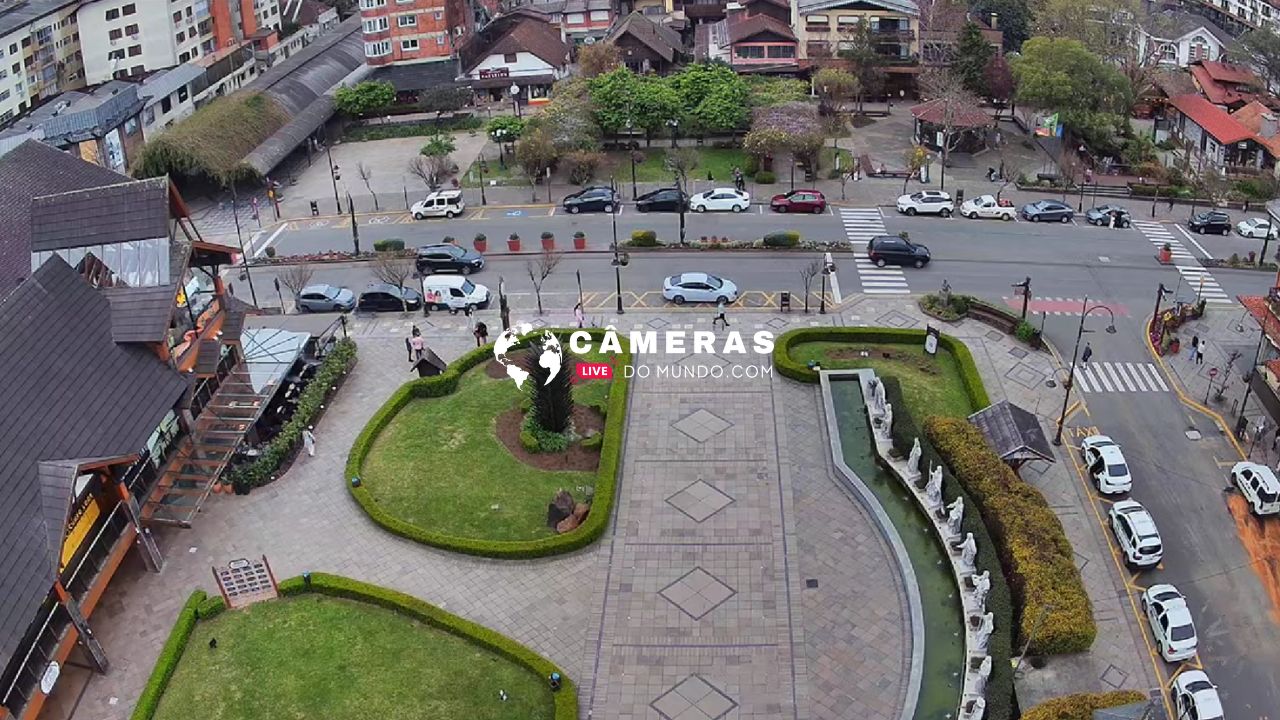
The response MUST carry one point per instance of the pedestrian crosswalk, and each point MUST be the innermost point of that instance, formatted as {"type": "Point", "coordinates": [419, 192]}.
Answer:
{"type": "Point", "coordinates": [1119, 377]}
{"type": "Point", "coordinates": [1192, 272]}
{"type": "Point", "coordinates": [860, 225]}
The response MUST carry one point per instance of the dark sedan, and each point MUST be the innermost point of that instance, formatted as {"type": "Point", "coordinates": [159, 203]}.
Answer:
{"type": "Point", "coordinates": [1212, 221]}
{"type": "Point", "coordinates": [597, 199]}
{"type": "Point", "coordinates": [384, 297]}
{"type": "Point", "coordinates": [447, 258]}
{"type": "Point", "coordinates": [663, 200]}
{"type": "Point", "coordinates": [1103, 214]}
{"type": "Point", "coordinates": [1047, 211]}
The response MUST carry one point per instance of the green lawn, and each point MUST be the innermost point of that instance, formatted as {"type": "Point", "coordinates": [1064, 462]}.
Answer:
{"type": "Point", "coordinates": [494, 171]}
{"type": "Point", "coordinates": [440, 466]}
{"type": "Point", "coordinates": [314, 656]}
{"type": "Point", "coordinates": [827, 161]}
{"type": "Point", "coordinates": [931, 385]}
{"type": "Point", "coordinates": [720, 162]}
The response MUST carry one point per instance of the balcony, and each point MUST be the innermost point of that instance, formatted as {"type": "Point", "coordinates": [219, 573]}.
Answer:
{"type": "Point", "coordinates": [892, 33]}
{"type": "Point", "coordinates": [817, 28]}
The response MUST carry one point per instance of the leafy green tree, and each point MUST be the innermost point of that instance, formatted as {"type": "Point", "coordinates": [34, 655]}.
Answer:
{"type": "Point", "coordinates": [612, 97]}
{"type": "Point", "coordinates": [509, 126]}
{"type": "Point", "coordinates": [1110, 29]}
{"type": "Point", "coordinates": [1013, 17]}
{"type": "Point", "coordinates": [973, 52]}
{"type": "Point", "coordinates": [364, 98]}
{"type": "Point", "coordinates": [767, 91]}
{"type": "Point", "coordinates": [570, 123]}
{"type": "Point", "coordinates": [1061, 74]}
{"type": "Point", "coordinates": [867, 66]}
{"type": "Point", "coordinates": [1264, 47]}
{"type": "Point", "coordinates": [535, 152]}
{"type": "Point", "coordinates": [713, 96]}
{"type": "Point", "coordinates": [439, 145]}
{"type": "Point", "coordinates": [834, 86]}
{"type": "Point", "coordinates": [655, 103]}
{"type": "Point", "coordinates": [700, 79]}
{"type": "Point", "coordinates": [443, 99]}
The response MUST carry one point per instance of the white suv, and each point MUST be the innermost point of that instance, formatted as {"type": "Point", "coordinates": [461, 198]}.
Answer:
{"type": "Point", "coordinates": [1171, 623]}
{"type": "Point", "coordinates": [1136, 533]}
{"type": "Point", "coordinates": [1106, 465]}
{"type": "Point", "coordinates": [1259, 486]}
{"type": "Point", "coordinates": [441, 203]}
{"type": "Point", "coordinates": [933, 202]}
{"type": "Point", "coordinates": [1195, 698]}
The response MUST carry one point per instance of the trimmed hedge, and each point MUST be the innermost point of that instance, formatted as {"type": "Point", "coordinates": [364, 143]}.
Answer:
{"type": "Point", "coordinates": [389, 244]}
{"type": "Point", "coordinates": [783, 238]}
{"type": "Point", "coordinates": [1000, 685]}
{"type": "Point", "coordinates": [1081, 705]}
{"type": "Point", "coordinates": [643, 238]}
{"type": "Point", "coordinates": [789, 367]}
{"type": "Point", "coordinates": [446, 383]}
{"type": "Point", "coordinates": [1034, 550]}
{"type": "Point", "coordinates": [565, 700]}
{"type": "Point", "coordinates": [149, 700]}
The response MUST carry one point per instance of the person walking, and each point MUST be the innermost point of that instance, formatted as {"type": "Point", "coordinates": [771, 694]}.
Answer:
{"type": "Point", "coordinates": [417, 344]}
{"type": "Point", "coordinates": [1195, 343]}
{"type": "Point", "coordinates": [1170, 203]}
{"type": "Point", "coordinates": [309, 441]}
{"type": "Point", "coordinates": [720, 316]}
{"type": "Point", "coordinates": [579, 315]}
{"type": "Point", "coordinates": [1088, 353]}
{"type": "Point", "coordinates": [1200, 351]}
{"type": "Point", "coordinates": [481, 332]}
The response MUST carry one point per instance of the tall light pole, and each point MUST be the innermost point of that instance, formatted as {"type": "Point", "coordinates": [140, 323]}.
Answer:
{"type": "Point", "coordinates": [333, 176]}
{"type": "Point", "coordinates": [480, 166]}
{"type": "Point", "coordinates": [355, 229]}
{"type": "Point", "coordinates": [515, 97]}
{"type": "Point", "coordinates": [1075, 352]}
{"type": "Point", "coordinates": [675, 127]}
{"type": "Point", "coordinates": [620, 260]}
{"type": "Point", "coordinates": [499, 135]}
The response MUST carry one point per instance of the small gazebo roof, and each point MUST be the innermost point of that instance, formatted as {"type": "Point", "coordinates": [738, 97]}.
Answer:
{"type": "Point", "coordinates": [966, 115]}
{"type": "Point", "coordinates": [1014, 433]}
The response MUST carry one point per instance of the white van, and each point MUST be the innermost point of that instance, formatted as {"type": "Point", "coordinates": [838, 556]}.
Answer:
{"type": "Point", "coordinates": [441, 203]}
{"type": "Point", "coordinates": [454, 292]}
{"type": "Point", "coordinates": [1259, 486]}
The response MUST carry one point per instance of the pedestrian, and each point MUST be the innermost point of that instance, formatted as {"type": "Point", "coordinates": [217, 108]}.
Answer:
{"type": "Point", "coordinates": [1088, 353]}
{"type": "Point", "coordinates": [720, 317]}
{"type": "Point", "coordinates": [578, 315]}
{"type": "Point", "coordinates": [417, 344]}
{"type": "Point", "coordinates": [481, 332]}
{"type": "Point", "coordinates": [1170, 204]}
{"type": "Point", "coordinates": [1200, 352]}
{"type": "Point", "coordinates": [408, 347]}
{"type": "Point", "coordinates": [1195, 343]}
{"type": "Point", "coordinates": [309, 441]}
{"type": "Point", "coordinates": [1275, 441]}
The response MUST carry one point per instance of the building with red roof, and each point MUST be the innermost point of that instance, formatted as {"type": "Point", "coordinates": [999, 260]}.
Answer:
{"type": "Point", "coordinates": [1232, 86]}
{"type": "Point", "coordinates": [1213, 137]}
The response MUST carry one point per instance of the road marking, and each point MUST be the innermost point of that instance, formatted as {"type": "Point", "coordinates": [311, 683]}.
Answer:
{"type": "Point", "coordinates": [1193, 241]}
{"type": "Point", "coordinates": [1184, 262]}
{"type": "Point", "coordinates": [267, 243]}
{"type": "Point", "coordinates": [1097, 377]}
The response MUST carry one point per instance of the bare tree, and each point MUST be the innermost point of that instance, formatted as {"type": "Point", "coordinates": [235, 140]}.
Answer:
{"type": "Point", "coordinates": [940, 23]}
{"type": "Point", "coordinates": [942, 85]}
{"type": "Point", "coordinates": [540, 270]}
{"type": "Point", "coordinates": [296, 277]}
{"type": "Point", "coordinates": [430, 168]}
{"type": "Point", "coordinates": [366, 173]}
{"type": "Point", "coordinates": [807, 274]}
{"type": "Point", "coordinates": [393, 269]}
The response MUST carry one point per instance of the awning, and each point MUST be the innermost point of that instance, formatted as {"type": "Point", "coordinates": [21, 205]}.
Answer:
{"type": "Point", "coordinates": [520, 80]}
{"type": "Point", "coordinates": [1015, 434]}
{"type": "Point", "coordinates": [316, 325]}
{"type": "Point", "coordinates": [269, 354]}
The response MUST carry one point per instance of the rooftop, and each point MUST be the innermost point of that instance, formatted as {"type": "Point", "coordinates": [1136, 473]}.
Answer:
{"type": "Point", "coordinates": [75, 116]}
{"type": "Point", "coordinates": [17, 15]}
{"type": "Point", "coordinates": [966, 115]}
{"type": "Point", "coordinates": [1014, 433]}
{"type": "Point", "coordinates": [1213, 119]}
{"type": "Point", "coordinates": [741, 27]}
{"type": "Point", "coordinates": [522, 30]}
{"type": "Point", "coordinates": [662, 40]}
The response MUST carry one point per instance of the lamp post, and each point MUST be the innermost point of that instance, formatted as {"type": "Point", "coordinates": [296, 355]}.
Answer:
{"type": "Point", "coordinates": [1071, 374]}
{"type": "Point", "coordinates": [355, 229]}
{"type": "Point", "coordinates": [499, 136]}
{"type": "Point", "coordinates": [684, 201]}
{"type": "Point", "coordinates": [1257, 355]}
{"type": "Point", "coordinates": [620, 260]}
{"type": "Point", "coordinates": [675, 126]}
{"type": "Point", "coordinates": [1160, 293]}
{"type": "Point", "coordinates": [1025, 286]}
{"type": "Point", "coordinates": [515, 97]}
{"type": "Point", "coordinates": [480, 166]}
{"type": "Point", "coordinates": [333, 176]}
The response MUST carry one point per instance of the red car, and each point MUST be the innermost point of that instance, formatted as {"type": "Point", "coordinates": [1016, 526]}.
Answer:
{"type": "Point", "coordinates": [810, 201]}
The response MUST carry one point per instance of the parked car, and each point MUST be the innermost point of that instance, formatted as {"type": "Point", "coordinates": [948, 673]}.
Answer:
{"type": "Point", "coordinates": [1048, 211]}
{"type": "Point", "coordinates": [1102, 215]}
{"type": "Point", "coordinates": [1171, 624]}
{"type": "Point", "coordinates": [926, 202]}
{"type": "Point", "coordinates": [809, 201]}
{"type": "Point", "coordinates": [441, 203]}
{"type": "Point", "coordinates": [698, 287]}
{"type": "Point", "coordinates": [1254, 228]}
{"type": "Point", "coordinates": [1259, 486]}
{"type": "Point", "coordinates": [385, 297]}
{"type": "Point", "coordinates": [597, 199]}
{"type": "Point", "coordinates": [454, 292]}
{"type": "Point", "coordinates": [326, 298]}
{"type": "Point", "coordinates": [720, 199]}
{"type": "Point", "coordinates": [446, 257]}
{"type": "Point", "coordinates": [893, 250]}
{"type": "Point", "coordinates": [662, 200]}
{"type": "Point", "coordinates": [1195, 697]}
{"type": "Point", "coordinates": [986, 206]}
{"type": "Point", "coordinates": [1106, 465]}
{"type": "Point", "coordinates": [1136, 533]}
{"type": "Point", "coordinates": [1211, 221]}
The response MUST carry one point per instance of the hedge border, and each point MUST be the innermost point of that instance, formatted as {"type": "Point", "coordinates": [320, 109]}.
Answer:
{"type": "Point", "coordinates": [445, 384]}
{"type": "Point", "coordinates": [789, 367]}
{"type": "Point", "coordinates": [200, 607]}
{"type": "Point", "coordinates": [1081, 706]}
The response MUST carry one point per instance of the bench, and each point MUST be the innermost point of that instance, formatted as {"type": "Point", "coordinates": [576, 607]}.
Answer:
{"type": "Point", "coordinates": [1047, 177]}
{"type": "Point", "coordinates": [999, 318]}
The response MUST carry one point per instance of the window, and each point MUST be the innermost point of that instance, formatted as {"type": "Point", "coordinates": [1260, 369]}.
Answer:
{"type": "Point", "coordinates": [116, 34]}
{"type": "Point", "coordinates": [165, 104]}
{"type": "Point", "coordinates": [377, 49]}
{"type": "Point", "coordinates": [749, 52]}
{"type": "Point", "coordinates": [177, 17]}
{"type": "Point", "coordinates": [149, 115]}
{"type": "Point", "coordinates": [113, 13]}
{"type": "Point", "coordinates": [13, 48]}
{"type": "Point", "coordinates": [782, 51]}
{"type": "Point", "coordinates": [4, 95]}
{"type": "Point", "coordinates": [816, 20]}
{"type": "Point", "coordinates": [1169, 52]}
{"type": "Point", "coordinates": [599, 15]}
{"type": "Point", "coordinates": [17, 68]}
{"type": "Point", "coordinates": [129, 9]}
{"type": "Point", "coordinates": [574, 18]}
{"type": "Point", "coordinates": [439, 16]}
{"type": "Point", "coordinates": [439, 39]}
{"type": "Point", "coordinates": [848, 19]}
{"type": "Point", "coordinates": [115, 55]}
{"type": "Point", "coordinates": [135, 50]}
{"type": "Point", "coordinates": [371, 4]}
{"type": "Point", "coordinates": [182, 94]}
{"type": "Point", "coordinates": [183, 57]}
{"type": "Point", "coordinates": [407, 21]}
{"type": "Point", "coordinates": [131, 29]}
{"type": "Point", "coordinates": [377, 24]}
{"type": "Point", "coordinates": [509, 58]}
{"type": "Point", "coordinates": [180, 37]}
{"type": "Point", "coordinates": [3, 73]}
{"type": "Point", "coordinates": [409, 45]}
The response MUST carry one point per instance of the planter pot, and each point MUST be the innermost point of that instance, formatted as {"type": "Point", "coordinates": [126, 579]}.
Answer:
{"type": "Point", "coordinates": [482, 246]}
{"type": "Point", "coordinates": [1166, 255]}
{"type": "Point", "coordinates": [548, 244]}
{"type": "Point", "coordinates": [579, 243]}
{"type": "Point", "coordinates": [513, 245]}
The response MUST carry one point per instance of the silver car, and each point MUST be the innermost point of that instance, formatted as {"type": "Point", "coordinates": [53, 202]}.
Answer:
{"type": "Point", "coordinates": [326, 298]}
{"type": "Point", "coordinates": [698, 287]}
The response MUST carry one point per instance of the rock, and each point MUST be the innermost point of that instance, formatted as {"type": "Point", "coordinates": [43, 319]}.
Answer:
{"type": "Point", "coordinates": [560, 508]}
{"type": "Point", "coordinates": [568, 524]}
{"type": "Point", "coordinates": [580, 511]}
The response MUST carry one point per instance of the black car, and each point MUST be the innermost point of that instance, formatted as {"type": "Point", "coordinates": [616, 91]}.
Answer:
{"type": "Point", "coordinates": [600, 199]}
{"type": "Point", "coordinates": [1212, 221]}
{"type": "Point", "coordinates": [1047, 211]}
{"type": "Point", "coordinates": [447, 258]}
{"type": "Point", "coordinates": [384, 297]}
{"type": "Point", "coordinates": [1103, 214]}
{"type": "Point", "coordinates": [892, 250]}
{"type": "Point", "coordinates": [663, 200]}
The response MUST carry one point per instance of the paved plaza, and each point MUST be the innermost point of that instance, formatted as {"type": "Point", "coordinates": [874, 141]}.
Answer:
{"type": "Point", "coordinates": [737, 580]}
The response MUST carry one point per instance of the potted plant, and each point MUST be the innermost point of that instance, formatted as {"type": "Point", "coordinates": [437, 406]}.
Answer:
{"type": "Point", "coordinates": [513, 242]}
{"type": "Point", "coordinates": [1166, 253]}
{"type": "Point", "coordinates": [579, 240]}
{"type": "Point", "coordinates": [481, 243]}
{"type": "Point", "coordinates": [548, 241]}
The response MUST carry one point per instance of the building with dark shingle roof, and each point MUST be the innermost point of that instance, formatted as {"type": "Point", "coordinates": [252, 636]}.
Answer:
{"type": "Point", "coordinates": [647, 46]}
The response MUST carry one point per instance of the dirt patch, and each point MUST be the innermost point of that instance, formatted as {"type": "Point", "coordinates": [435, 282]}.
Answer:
{"type": "Point", "coordinates": [915, 361]}
{"type": "Point", "coordinates": [585, 419]}
{"type": "Point", "coordinates": [1262, 541]}
{"type": "Point", "coordinates": [495, 370]}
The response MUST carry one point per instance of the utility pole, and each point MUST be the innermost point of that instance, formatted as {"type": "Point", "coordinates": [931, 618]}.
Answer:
{"type": "Point", "coordinates": [333, 176]}
{"type": "Point", "coordinates": [1025, 285]}
{"type": "Point", "coordinates": [355, 229]}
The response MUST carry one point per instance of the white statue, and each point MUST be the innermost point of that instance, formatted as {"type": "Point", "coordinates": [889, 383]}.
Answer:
{"type": "Point", "coordinates": [955, 515]}
{"type": "Point", "coordinates": [933, 490]}
{"type": "Point", "coordinates": [981, 586]}
{"type": "Point", "coordinates": [877, 394]}
{"type": "Point", "coordinates": [913, 461]}
{"type": "Point", "coordinates": [974, 709]}
{"type": "Point", "coordinates": [982, 636]}
{"type": "Point", "coordinates": [984, 672]}
{"type": "Point", "coordinates": [886, 420]}
{"type": "Point", "coordinates": [968, 552]}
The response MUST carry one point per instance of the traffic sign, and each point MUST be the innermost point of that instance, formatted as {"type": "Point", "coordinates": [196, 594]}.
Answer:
{"type": "Point", "coordinates": [1213, 373]}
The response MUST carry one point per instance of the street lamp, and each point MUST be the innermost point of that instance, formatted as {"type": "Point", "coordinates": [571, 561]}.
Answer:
{"type": "Point", "coordinates": [333, 176]}
{"type": "Point", "coordinates": [1025, 288]}
{"type": "Point", "coordinates": [1071, 374]}
{"type": "Point", "coordinates": [620, 260]}
{"type": "Point", "coordinates": [1160, 293]}
{"type": "Point", "coordinates": [675, 125]}
{"type": "Point", "coordinates": [515, 97]}
{"type": "Point", "coordinates": [500, 135]}
{"type": "Point", "coordinates": [482, 163]}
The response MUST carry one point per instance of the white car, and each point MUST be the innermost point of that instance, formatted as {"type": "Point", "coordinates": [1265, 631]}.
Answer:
{"type": "Point", "coordinates": [720, 199]}
{"type": "Point", "coordinates": [441, 203]}
{"type": "Point", "coordinates": [986, 206]}
{"type": "Point", "coordinates": [933, 202]}
{"type": "Point", "coordinates": [1171, 623]}
{"type": "Point", "coordinates": [698, 287]}
{"type": "Point", "coordinates": [1195, 698]}
{"type": "Point", "coordinates": [1259, 486]}
{"type": "Point", "coordinates": [1254, 228]}
{"type": "Point", "coordinates": [1106, 465]}
{"type": "Point", "coordinates": [1136, 533]}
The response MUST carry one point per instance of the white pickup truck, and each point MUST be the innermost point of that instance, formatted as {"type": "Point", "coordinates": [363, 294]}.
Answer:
{"type": "Point", "coordinates": [986, 206]}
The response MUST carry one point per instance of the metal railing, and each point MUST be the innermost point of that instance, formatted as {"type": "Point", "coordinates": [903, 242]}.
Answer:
{"type": "Point", "coordinates": [79, 582]}
{"type": "Point", "coordinates": [27, 678]}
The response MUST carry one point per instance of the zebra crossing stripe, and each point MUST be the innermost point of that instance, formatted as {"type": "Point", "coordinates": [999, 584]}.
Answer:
{"type": "Point", "coordinates": [1119, 377]}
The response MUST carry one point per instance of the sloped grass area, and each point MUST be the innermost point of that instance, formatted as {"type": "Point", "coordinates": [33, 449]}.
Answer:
{"type": "Point", "coordinates": [931, 384]}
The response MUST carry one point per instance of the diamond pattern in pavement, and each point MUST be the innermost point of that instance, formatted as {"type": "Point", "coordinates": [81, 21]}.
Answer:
{"type": "Point", "coordinates": [702, 425]}
{"type": "Point", "coordinates": [697, 593]}
{"type": "Point", "coordinates": [693, 699]}
{"type": "Point", "coordinates": [699, 501]}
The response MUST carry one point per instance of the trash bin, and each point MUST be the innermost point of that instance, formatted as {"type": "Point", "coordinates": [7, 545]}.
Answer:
{"type": "Point", "coordinates": [959, 196]}
{"type": "Point", "coordinates": [784, 301]}
{"type": "Point", "coordinates": [315, 208]}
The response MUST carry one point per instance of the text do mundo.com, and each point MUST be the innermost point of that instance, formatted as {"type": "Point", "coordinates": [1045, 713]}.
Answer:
{"type": "Point", "coordinates": [681, 344]}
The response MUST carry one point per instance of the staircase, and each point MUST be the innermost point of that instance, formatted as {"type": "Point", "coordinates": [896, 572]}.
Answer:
{"type": "Point", "coordinates": [199, 460]}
